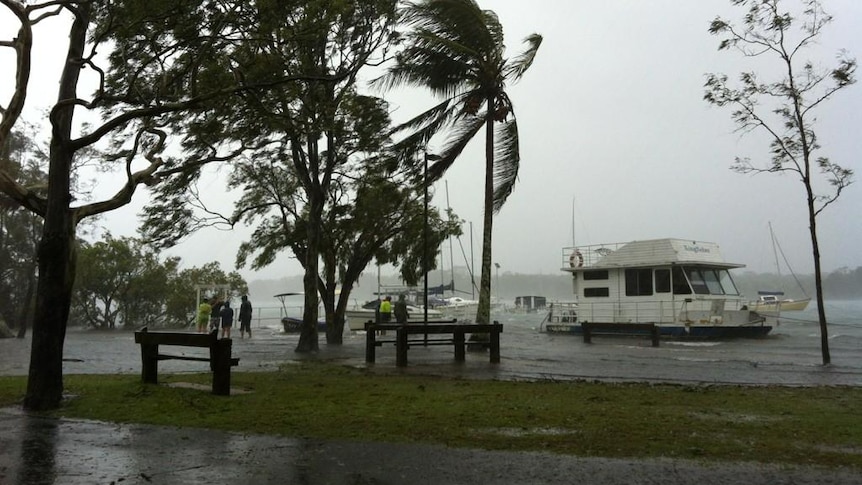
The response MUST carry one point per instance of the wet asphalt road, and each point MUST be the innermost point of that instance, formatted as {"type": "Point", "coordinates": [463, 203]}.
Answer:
{"type": "Point", "coordinates": [37, 450]}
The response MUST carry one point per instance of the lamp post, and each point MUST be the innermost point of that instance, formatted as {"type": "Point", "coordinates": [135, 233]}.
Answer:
{"type": "Point", "coordinates": [425, 231]}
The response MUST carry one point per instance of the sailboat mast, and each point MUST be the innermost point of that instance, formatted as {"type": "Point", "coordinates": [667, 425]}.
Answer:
{"type": "Point", "coordinates": [774, 249]}
{"type": "Point", "coordinates": [451, 253]}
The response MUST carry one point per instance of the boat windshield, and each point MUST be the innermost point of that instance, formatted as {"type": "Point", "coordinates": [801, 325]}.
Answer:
{"type": "Point", "coordinates": [708, 281]}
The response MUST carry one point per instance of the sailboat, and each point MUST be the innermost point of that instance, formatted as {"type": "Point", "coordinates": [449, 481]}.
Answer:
{"type": "Point", "coordinates": [772, 301]}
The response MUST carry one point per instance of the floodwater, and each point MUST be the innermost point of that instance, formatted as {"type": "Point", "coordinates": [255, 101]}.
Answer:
{"type": "Point", "coordinates": [41, 450]}
{"type": "Point", "coordinates": [790, 355]}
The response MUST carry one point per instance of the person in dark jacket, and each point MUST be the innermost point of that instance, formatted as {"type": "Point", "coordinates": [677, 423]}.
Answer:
{"type": "Point", "coordinates": [226, 315]}
{"type": "Point", "coordinates": [401, 314]}
{"type": "Point", "coordinates": [245, 313]}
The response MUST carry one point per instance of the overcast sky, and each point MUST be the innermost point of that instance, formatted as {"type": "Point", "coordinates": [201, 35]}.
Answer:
{"type": "Point", "coordinates": [615, 135]}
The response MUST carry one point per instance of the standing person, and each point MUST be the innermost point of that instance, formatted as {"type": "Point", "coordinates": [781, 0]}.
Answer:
{"type": "Point", "coordinates": [204, 310]}
{"type": "Point", "coordinates": [401, 314]}
{"type": "Point", "coordinates": [226, 315]}
{"type": "Point", "coordinates": [386, 310]}
{"type": "Point", "coordinates": [215, 316]}
{"type": "Point", "coordinates": [245, 317]}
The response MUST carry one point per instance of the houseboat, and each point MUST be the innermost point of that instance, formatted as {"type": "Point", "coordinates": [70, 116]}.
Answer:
{"type": "Point", "coordinates": [682, 286]}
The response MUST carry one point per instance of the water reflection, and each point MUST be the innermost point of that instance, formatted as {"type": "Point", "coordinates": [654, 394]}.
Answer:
{"type": "Point", "coordinates": [38, 451]}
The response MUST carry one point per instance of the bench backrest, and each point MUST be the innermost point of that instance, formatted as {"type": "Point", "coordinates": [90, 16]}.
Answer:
{"type": "Point", "coordinates": [185, 339]}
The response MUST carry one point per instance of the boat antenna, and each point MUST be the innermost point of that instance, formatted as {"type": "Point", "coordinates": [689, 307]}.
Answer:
{"type": "Point", "coordinates": [573, 221]}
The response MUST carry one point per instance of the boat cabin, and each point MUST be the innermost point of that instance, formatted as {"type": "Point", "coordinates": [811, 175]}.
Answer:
{"type": "Point", "coordinates": [663, 281]}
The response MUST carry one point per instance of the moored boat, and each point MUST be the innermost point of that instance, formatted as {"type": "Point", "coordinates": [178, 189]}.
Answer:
{"type": "Point", "coordinates": [771, 302]}
{"type": "Point", "coordinates": [684, 287]}
{"type": "Point", "coordinates": [292, 324]}
{"type": "Point", "coordinates": [357, 318]}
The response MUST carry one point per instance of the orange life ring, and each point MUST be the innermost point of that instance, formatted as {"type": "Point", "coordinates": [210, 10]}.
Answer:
{"type": "Point", "coordinates": [580, 259]}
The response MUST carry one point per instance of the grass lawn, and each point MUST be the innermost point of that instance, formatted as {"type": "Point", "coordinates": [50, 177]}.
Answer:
{"type": "Point", "coordinates": [805, 426]}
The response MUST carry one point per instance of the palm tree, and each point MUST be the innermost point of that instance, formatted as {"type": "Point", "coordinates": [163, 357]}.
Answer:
{"type": "Point", "coordinates": [455, 49]}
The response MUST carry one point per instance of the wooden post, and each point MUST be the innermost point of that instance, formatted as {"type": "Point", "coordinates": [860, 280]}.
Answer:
{"type": "Point", "coordinates": [220, 362]}
{"type": "Point", "coordinates": [401, 347]}
{"type": "Point", "coordinates": [370, 343]}
{"type": "Point", "coordinates": [585, 328]}
{"type": "Point", "coordinates": [150, 363]}
{"type": "Point", "coordinates": [655, 335]}
{"type": "Point", "coordinates": [460, 345]}
{"type": "Point", "coordinates": [495, 343]}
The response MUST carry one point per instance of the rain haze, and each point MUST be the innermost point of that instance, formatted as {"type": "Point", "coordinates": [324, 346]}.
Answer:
{"type": "Point", "coordinates": [616, 144]}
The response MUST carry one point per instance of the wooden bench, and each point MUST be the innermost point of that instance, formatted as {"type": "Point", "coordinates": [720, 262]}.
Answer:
{"type": "Point", "coordinates": [458, 338]}
{"type": "Point", "coordinates": [219, 355]}
{"type": "Point", "coordinates": [629, 329]}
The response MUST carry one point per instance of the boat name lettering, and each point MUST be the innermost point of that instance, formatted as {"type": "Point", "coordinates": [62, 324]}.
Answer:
{"type": "Point", "coordinates": [696, 249]}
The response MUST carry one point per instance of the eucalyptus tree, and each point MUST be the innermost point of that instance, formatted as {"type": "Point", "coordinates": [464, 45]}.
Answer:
{"type": "Point", "coordinates": [148, 64]}
{"type": "Point", "coordinates": [455, 49]}
{"type": "Point", "coordinates": [371, 216]}
{"type": "Point", "coordinates": [784, 108]}
{"type": "Point", "coordinates": [309, 132]}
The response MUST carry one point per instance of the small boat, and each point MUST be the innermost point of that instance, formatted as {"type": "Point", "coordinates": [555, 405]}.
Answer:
{"type": "Point", "coordinates": [357, 318]}
{"type": "Point", "coordinates": [529, 304]}
{"type": "Point", "coordinates": [292, 324]}
{"type": "Point", "coordinates": [682, 286]}
{"type": "Point", "coordinates": [771, 302]}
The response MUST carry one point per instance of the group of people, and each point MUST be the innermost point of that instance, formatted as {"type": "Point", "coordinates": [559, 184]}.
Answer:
{"type": "Point", "coordinates": [218, 313]}
{"type": "Point", "coordinates": [399, 309]}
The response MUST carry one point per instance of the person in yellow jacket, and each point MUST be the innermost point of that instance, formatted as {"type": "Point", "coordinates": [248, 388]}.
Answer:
{"type": "Point", "coordinates": [204, 311]}
{"type": "Point", "coordinates": [386, 310]}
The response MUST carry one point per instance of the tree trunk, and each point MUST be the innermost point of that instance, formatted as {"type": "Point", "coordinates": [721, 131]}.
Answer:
{"type": "Point", "coordinates": [818, 278]}
{"type": "Point", "coordinates": [483, 314]}
{"type": "Point", "coordinates": [57, 248]}
{"type": "Point", "coordinates": [26, 314]}
{"type": "Point", "coordinates": [308, 337]}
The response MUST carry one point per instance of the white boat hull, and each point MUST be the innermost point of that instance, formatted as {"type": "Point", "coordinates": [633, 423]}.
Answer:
{"type": "Point", "coordinates": [779, 306]}
{"type": "Point", "coordinates": [359, 317]}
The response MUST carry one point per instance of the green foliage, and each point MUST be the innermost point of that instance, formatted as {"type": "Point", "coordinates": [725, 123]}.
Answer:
{"type": "Point", "coordinates": [811, 426]}
{"type": "Point", "coordinates": [123, 283]}
{"type": "Point", "coordinates": [20, 231]}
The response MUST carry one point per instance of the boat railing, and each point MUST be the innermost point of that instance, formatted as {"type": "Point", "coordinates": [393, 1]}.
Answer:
{"type": "Point", "coordinates": [657, 311]}
{"type": "Point", "coordinates": [587, 256]}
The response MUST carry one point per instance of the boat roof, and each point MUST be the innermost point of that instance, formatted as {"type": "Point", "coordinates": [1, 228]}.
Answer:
{"type": "Point", "coordinates": [655, 252]}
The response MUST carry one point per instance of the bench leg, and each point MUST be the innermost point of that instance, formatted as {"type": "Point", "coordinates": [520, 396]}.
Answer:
{"type": "Point", "coordinates": [150, 363]}
{"type": "Point", "coordinates": [495, 345]}
{"type": "Point", "coordinates": [401, 347]}
{"type": "Point", "coordinates": [460, 345]}
{"type": "Point", "coordinates": [220, 359]}
{"type": "Point", "coordinates": [370, 345]}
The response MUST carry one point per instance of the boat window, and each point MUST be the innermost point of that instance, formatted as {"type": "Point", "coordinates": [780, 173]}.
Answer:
{"type": "Point", "coordinates": [639, 282]}
{"type": "Point", "coordinates": [601, 292]}
{"type": "Point", "coordinates": [727, 282]}
{"type": "Point", "coordinates": [698, 284]}
{"type": "Point", "coordinates": [662, 281]}
{"type": "Point", "coordinates": [711, 278]}
{"type": "Point", "coordinates": [595, 275]}
{"type": "Point", "coordinates": [680, 283]}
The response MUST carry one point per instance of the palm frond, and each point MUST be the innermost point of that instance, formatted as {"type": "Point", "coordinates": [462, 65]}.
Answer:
{"type": "Point", "coordinates": [507, 161]}
{"type": "Point", "coordinates": [520, 64]}
{"type": "Point", "coordinates": [464, 129]}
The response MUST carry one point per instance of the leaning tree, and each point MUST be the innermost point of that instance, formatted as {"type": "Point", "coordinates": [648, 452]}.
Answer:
{"type": "Point", "coordinates": [455, 49]}
{"type": "Point", "coordinates": [784, 107]}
